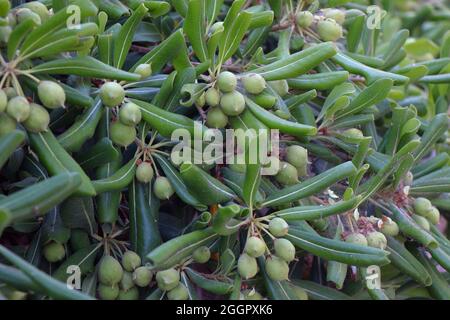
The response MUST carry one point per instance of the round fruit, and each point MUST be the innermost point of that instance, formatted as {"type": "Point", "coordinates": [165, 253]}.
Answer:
{"type": "Point", "coordinates": [336, 14]}
{"type": "Point", "coordinates": [39, 8]}
{"type": "Point", "coordinates": [7, 124]}
{"type": "Point", "coordinates": [131, 294]}
{"type": "Point", "coordinates": [226, 81]}
{"type": "Point", "coordinates": [329, 30]}
{"type": "Point", "coordinates": [390, 228]}
{"type": "Point", "coordinates": [51, 94]}
{"type": "Point", "coordinates": [162, 188]}
{"type": "Point", "coordinates": [130, 114]}
{"type": "Point", "coordinates": [126, 283]}
{"type": "Point", "coordinates": [284, 249]}
{"type": "Point", "coordinates": [144, 172]}
{"type": "Point", "coordinates": [201, 101]}
{"type": "Point", "coordinates": [277, 269]}
{"type": "Point", "coordinates": [265, 100]}
{"type": "Point", "coordinates": [142, 276]}
{"type": "Point", "coordinates": [433, 215]}
{"type": "Point", "coordinates": [377, 240]}
{"type": "Point", "coordinates": [144, 70]}
{"type": "Point", "coordinates": [180, 292]}
{"type": "Point", "coordinates": [18, 108]}
{"type": "Point", "coordinates": [251, 294]}
{"type": "Point", "coordinates": [3, 100]}
{"type": "Point", "coordinates": [233, 103]}
{"type": "Point", "coordinates": [212, 97]}
{"type": "Point", "coordinates": [280, 86]}
{"type": "Point", "coordinates": [202, 254]}
{"type": "Point", "coordinates": [130, 260]}
{"type": "Point", "coordinates": [278, 227]}
{"type": "Point", "coordinates": [421, 221]}
{"type": "Point", "coordinates": [356, 238]}
{"type": "Point", "coordinates": [38, 120]}
{"type": "Point", "coordinates": [287, 175]}
{"type": "Point", "coordinates": [54, 252]}
{"type": "Point", "coordinates": [168, 279]}
{"type": "Point", "coordinates": [216, 26]}
{"type": "Point", "coordinates": [216, 118]}
{"type": "Point", "coordinates": [422, 206]}
{"type": "Point", "coordinates": [353, 134]}
{"type": "Point", "coordinates": [298, 157]}
{"type": "Point", "coordinates": [10, 92]}
{"type": "Point", "coordinates": [110, 271]}
{"type": "Point", "coordinates": [254, 83]}
{"type": "Point", "coordinates": [255, 247]}
{"type": "Point", "coordinates": [112, 94]}
{"type": "Point", "coordinates": [305, 19]}
{"type": "Point", "coordinates": [121, 134]}
{"type": "Point", "coordinates": [25, 14]}
{"type": "Point", "coordinates": [108, 292]}
{"type": "Point", "coordinates": [247, 266]}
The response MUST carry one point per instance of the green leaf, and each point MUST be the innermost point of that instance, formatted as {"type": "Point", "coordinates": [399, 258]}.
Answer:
{"type": "Point", "coordinates": [195, 28]}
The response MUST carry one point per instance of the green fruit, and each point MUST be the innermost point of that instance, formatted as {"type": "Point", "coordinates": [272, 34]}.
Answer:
{"type": "Point", "coordinates": [110, 271]}
{"type": "Point", "coordinates": [278, 227]}
{"type": "Point", "coordinates": [106, 292]}
{"type": "Point", "coordinates": [277, 269]}
{"type": "Point", "coordinates": [298, 157]}
{"type": "Point", "coordinates": [216, 118]}
{"type": "Point", "coordinates": [112, 94]}
{"type": "Point", "coordinates": [233, 103]}
{"type": "Point", "coordinates": [287, 175]}
{"type": "Point", "coordinates": [280, 86]}
{"type": "Point", "coordinates": [38, 120]}
{"type": "Point", "coordinates": [10, 92]}
{"type": "Point", "coordinates": [180, 292]}
{"type": "Point", "coordinates": [202, 254]}
{"type": "Point", "coordinates": [329, 30]}
{"type": "Point", "coordinates": [265, 100]}
{"type": "Point", "coordinates": [353, 134]}
{"type": "Point", "coordinates": [247, 266]}
{"type": "Point", "coordinates": [121, 134]}
{"type": "Point", "coordinates": [274, 164]}
{"type": "Point", "coordinates": [39, 8]}
{"type": "Point", "coordinates": [24, 14]}
{"type": "Point", "coordinates": [254, 83]}
{"type": "Point", "coordinates": [144, 172]}
{"type": "Point", "coordinates": [377, 240]}
{"type": "Point", "coordinates": [126, 283]}
{"type": "Point", "coordinates": [433, 215]}
{"type": "Point", "coordinates": [79, 239]}
{"type": "Point", "coordinates": [144, 70]}
{"type": "Point", "coordinates": [421, 221]}
{"type": "Point", "coordinates": [212, 97]}
{"type": "Point", "coordinates": [130, 114]}
{"type": "Point", "coordinates": [162, 188]}
{"type": "Point", "coordinates": [336, 14]}
{"type": "Point", "coordinates": [216, 26]}
{"type": "Point", "coordinates": [54, 252]}
{"type": "Point", "coordinates": [305, 19]}
{"type": "Point", "coordinates": [251, 294]}
{"type": "Point", "coordinates": [7, 124]}
{"type": "Point", "coordinates": [422, 206]}
{"type": "Point", "coordinates": [131, 294]}
{"type": "Point", "coordinates": [51, 94]}
{"type": "Point", "coordinates": [201, 101]}
{"type": "Point", "coordinates": [18, 108]}
{"type": "Point", "coordinates": [356, 238]}
{"type": "Point", "coordinates": [284, 249]}
{"type": "Point", "coordinates": [130, 260]}
{"type": "Point", "coordinates": [142, 276]}
{"type": "Point", "coordinates": [5, 33]}
{"type": "Point", "coordinates": [3, 101]}
{"type": "Point", "coordinates": [5, 6]}
{"type": "Point", "coordinates": [168, 279]}
{"type": "Point", "coordinates": [255, 247]}
{"type": "Point", "coordinates": [226, 81]}
{"type": "Point", "coordinates": [390, 228]}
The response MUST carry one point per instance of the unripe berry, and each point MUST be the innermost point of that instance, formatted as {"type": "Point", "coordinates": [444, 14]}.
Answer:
{"type": "Point", "coordinates": [144, 172]}
{"type": "Point", "coordinates": [121, 134]}
{"type": "Point", "coordinates": [233, 103]}
{"type": "Point", "coordinates": [212, 97]}
{"type": "Point", "coordinates": [110, 271]}
{"type": "Point", "coordinates": [180, 292]}
{"type": "Point", "coordinates": [277, 269]}
{"type": "Point", "coordinates": [126, 283]}
{"type": "Point", "coordinates": [254, 83]}
{"type": "Point", "coordinates": [216, 26]}
{"type": "Point", "coordinates": [3, 100]}
{"type": "Point", "coordinates": [390, 228]}
{"type": "Point", "coordinates": [247, 266]}
{"type": "Point", "coordinates": [38, 120]}
{"type": "Point", "coordinates": [377, 240]}
{"type": "Point", "coordinates": [298, 157]}
{"type": "Point", "coordinates": [144, 70]}
{"type": "Point", "coordinates": [265, 100]}
{"type": "Point", "coordinates": [106, 292]}
{"type": "Point", "coordinates": [278, 227]}
{"type": "Point", "coordinates": [167, 279]}
{"type": "Point", "coordinates": [162, 188]}
{"type": "Point", "coordinates": [329, 30]}
{"type": "Point", "coordinates": [18, 108]}
{"type": "Point", "coordinates": [131, 294]}
{"type": "Point", "coordinates": [433, 215]}
{"type": "Point", "coordinates": [226, 81]}
{"type": "Point", "coordinates": [284, 249]}
{"type": "Point", "coordinates": [336, 14]}
{"type": "Point", "coordinates": [305, 19]}
{"type": "Point", "coordinates": [353, 134]}
{"type": "Point", "coordinates": [112, 94]}
{"type": "Point", "coordinates": [216, 118]}
{"type": "Point", "coordinates": [356, 238]}
{"type": "Point", "coordinates": [130, 260]}
{"type": "Point", "coordinates": [287, 175]}
{"type": "Point", "coordinates": [51, 94]}
{"type": "Point", "coordinates": [142, 276]}
{"type": "Point", "coordinates": [54, 252]}
{"type": "Point", "coordinates": [280, 86]}
{"type": "Point", "coordinates": [202, 254]}
{"type": "Point", "coordinates": [201, 101]}
{"type": "Point", "coordinates": [421, 221]}
{"type": "Point", "coordinates": [7, 124]}
{"type": "Point", "coordinates": [422, 206]}
{"type": "Point", "coordinates": [255, 247]}
{"type": "Point", "coordinates": [10, 92]}
{"type": "Point", "coordinates": [130, 114]}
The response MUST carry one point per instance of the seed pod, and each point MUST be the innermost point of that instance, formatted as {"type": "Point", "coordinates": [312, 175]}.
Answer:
{"type": "Point", "coordinates": [39, 8]}
{"type": "Point", "coordinates": [233, 103]}
{"type": "Point", "coordinates": [422, 206]}
{"type": "Point", "coordinates": [51, 94]}
{"type": "Point", "coordinates": [356, 238]}
{"type": "Point", "coordinates": [126, 283]}
{"type": "Point", "coordinates": [131, 294]}
{"type": "Point", "coordinates": [390, 228]}
{"type": "Point", "coordinates": [23, 14]}
{"type": "Point", "coordinates": [162, 188]}
{"type": "Point", "coordinates": [144, 172]}
{"type": "Point", "coordinates": [305, 19]}
{"type": "Point", "coordinates": [284, 249]}
{"type": "Point", "coordinates": [255, 247]}
{"type": "Point", "coordinates": [112, 94]}
{"type": "Point", "coordinates": [287, 175]}
{"type": "Point", "coordinates": [3, 100]}
{"type": "Point", "coordinates": [212, 97]}
{"type": "Point", "coordinates": [298, 157]}
{"type": "Point", "coordinates": [168, 279]}
{"type": "Point", "coordinates": [216, 118]}
{"type": "Point", "coordinates": [377, 240]}
{"type": "Point", "coordinates": [180, 292]}
{"type": "Point", "coordinates": [202, 254]}
{"type": "Point", "coordinates": [278, 227]}
{"type": "Point", "coordinates": [130, 260]}
{"type": "Point", "coordinates": [335, 14]}
{"type": "Point", "coordinates": [226, 82]}
{"type": "Point", "coordinates": [18, 108]}
{"type": "Point", "coordinates": [254, 83]}
{"type": "Point", "coordinates": [247, 266]}
{"type": "Point", "coordinates": [130, 114]}
{"type": "Point", "coordinates": [7, 124]}
{"type": "Point", "coordinates": [353, 133]}
{"type": "Point", "coordinates": [144, 70]}
{"type": "Point", "coordinates": [54, 252]}
{"type": "Point", "coordinates": [280, 86]}
{"type": "Point", "coordinates": [277, 269]}
{"type": "Point", "coordinates": [329, 30]}
{"type": "Point", "coordinates": [38, 119]}
{"type": "Point", "coordinates": [110, 271]}
{"type": "Point", "coordinates": [106, 292]}
{"type": "Point", "coordinates": [265, 100]}
{"type": "Point", "coordinates": [121, 134]}
{"type": "Point", "coordinates": [142, 276]}
{"type": "Point", "coordinates": [251, 294]}
{"type": "Point", "coordinates": [433, 215]}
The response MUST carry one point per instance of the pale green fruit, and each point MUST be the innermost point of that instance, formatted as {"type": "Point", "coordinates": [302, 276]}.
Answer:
{"type": "Point", "coordinates": [202, 254]}
{"type": "Point", "coordinates": [18, 108]}
{"type": "Point", "coordinates": [215, 118]}
{"type": "Point", "coordinates": [126, 283]}
{"type": "Point", "coordinates": [377, 240]}
{"type": "Point", "coordinates": [130, 114]}
{"type": "Point", "coordinates": [130, 260]}
{"type": "Point", "coordinates": [336, 14]}
{"type": "Point", "coordinates": [254, 83]}
{"type": "Point", "coordinates": [212, 97]}
{"type": "Point", "coordinates": [7, 124]}
{"type": "Point", "coordinates": [144, 70]}
{"type": "Point", "coordinates": [284, 249]}
{"type": "Point", "coordinates": [255, 247]}
{"type": "Point", "coordinates": [121, 134]}
{"type": "Point", "coordinates": [180, 292]}
{"type": "Point", "coordinates": [54, 252]}
{"type": "Point", "coordinates": [232, 103]}
{"type": "Point", "coordinates": [106, 292]}
{"type": "Point", "coordinates": [329, 30]}
{"type": "Point", "coordinates": [305, 19]}
{"type": "Point", "coordinates": [422, 206]}
{"type": "Point", "coordinates": [390, 228]}
{"type": "Point", "coordinates": [287, 175]}
{"type": "Point", "coordinates": [51, 94]}
{"type": "Point", "coordinates": [356, 238]}
{"type": "Point", "coordinates": [226, 81]}
{"type": "Point", "coordinates": [280, 86]}
{"type": "Point", "coordinates": [163, 188]}
{"type": "Point", "coordinates": [110, 271]}
{"type": "Point", "coordinates": [3, 101]}
{"type": "Point", "coordinates": [142, 276]}
{"type": "Point", "coordinates": [247, 266]}
{"type": "Point", "coordinates": [298, 157]}
{"type": "Point", "coordinates": [131, 294]}
{"type": "Point", "coordinates": [433, 215]}
{"type": "Point", "coordinates": [421, 221]}
{"type": "Point", "coordinates": [353, 133]}
{"type": "Point", "coordinates": [112, 94]}
{"type": "Point", "coordinates": [168, 279]}
{"type": "Point", "coordinates": [277, 269]}
{"type": "Point", "coordinates": [278, 227]}
{"type": "Point", "coordinates": [144, 172]}
{"type": "Point", "coordinates": [38, 120]}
